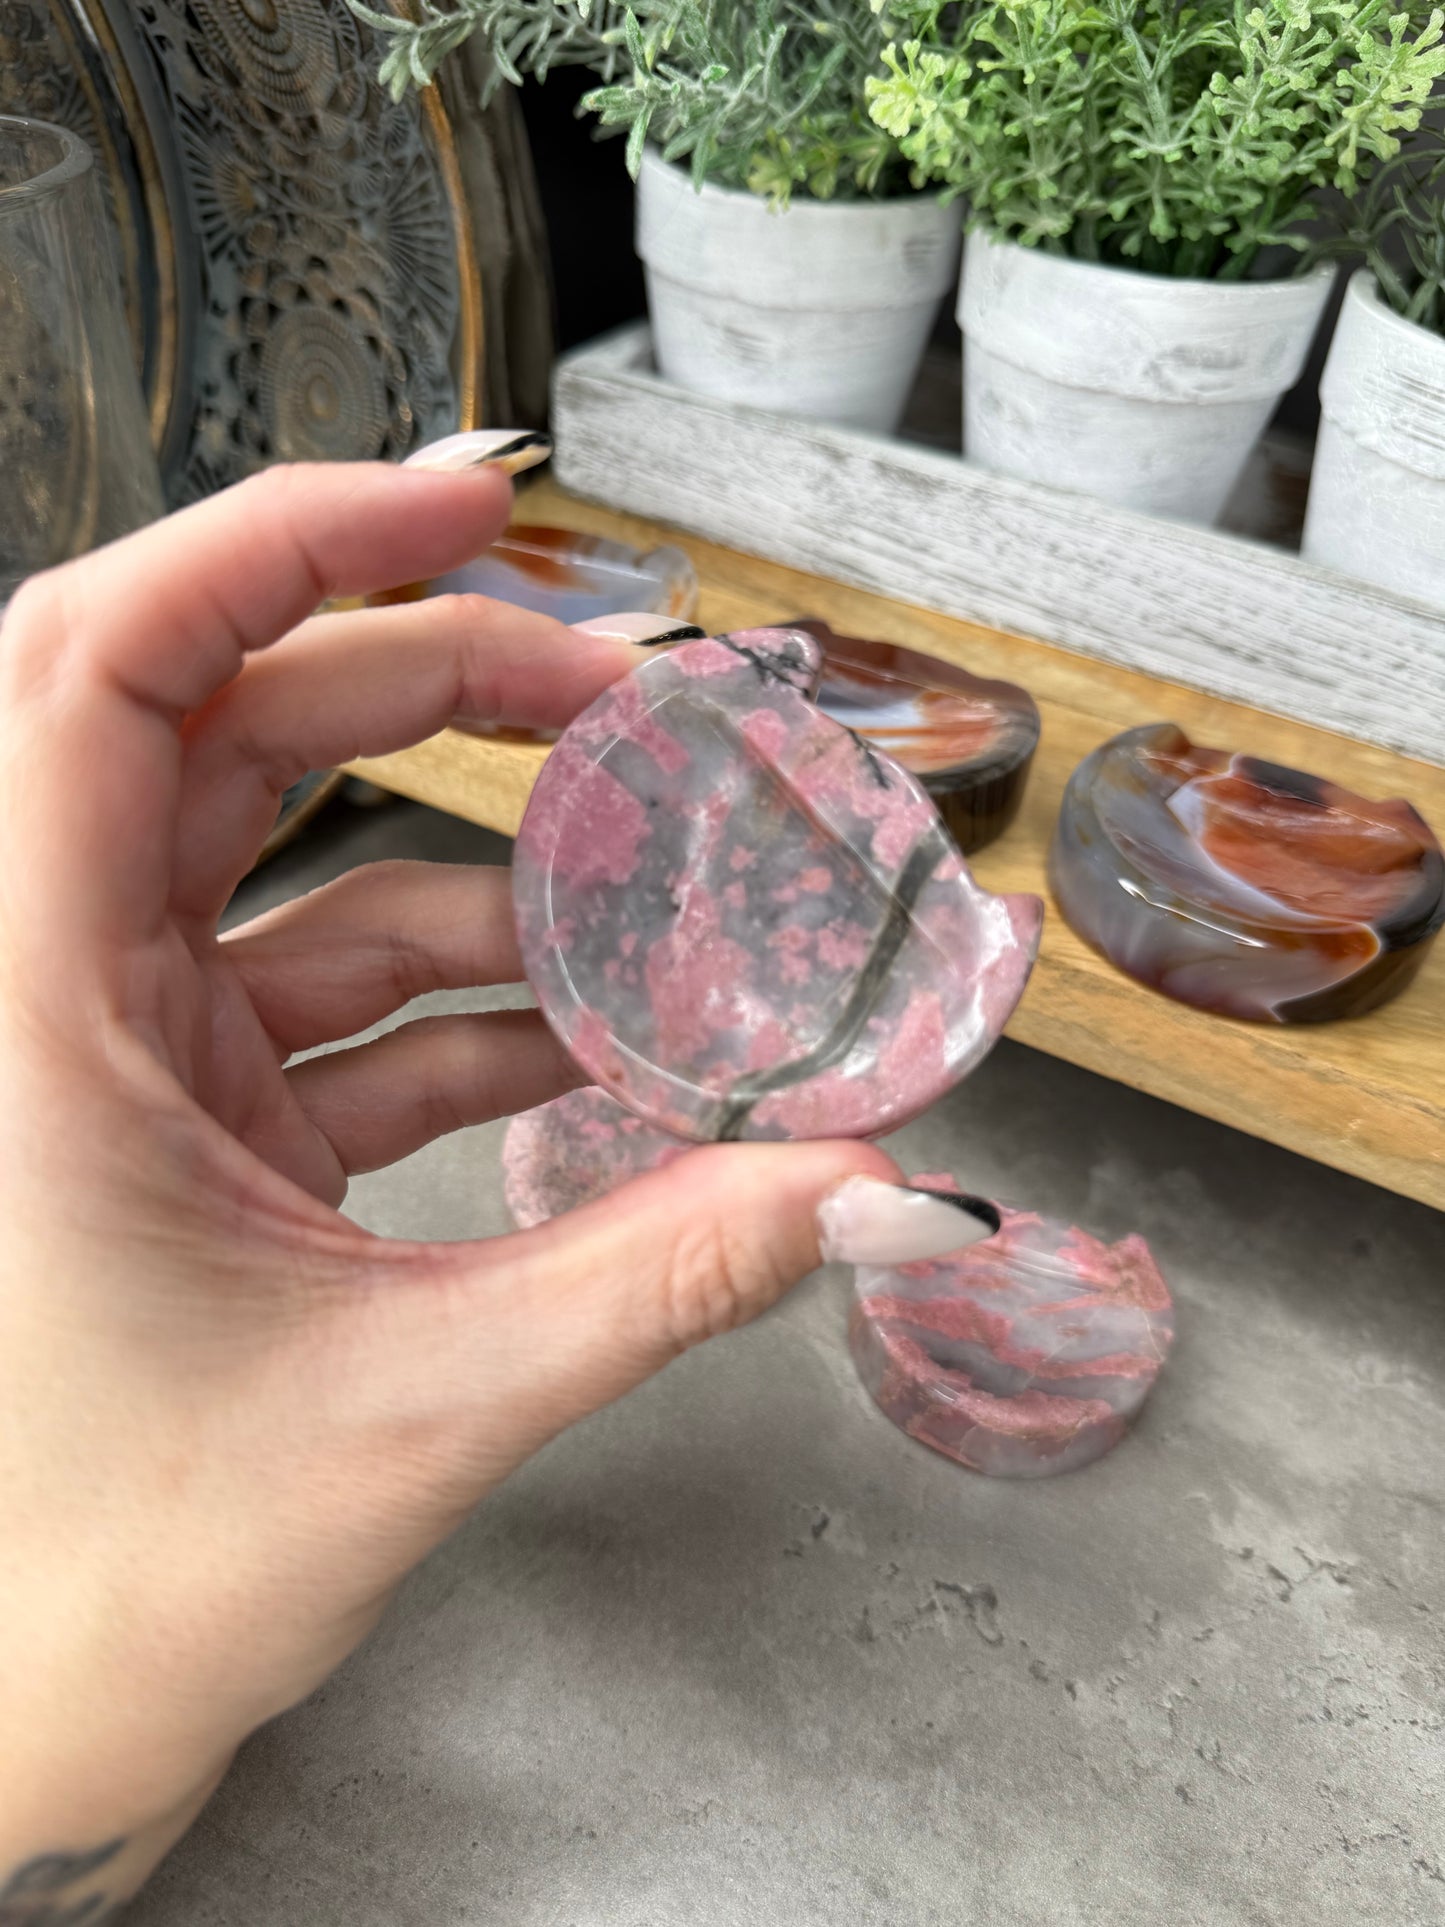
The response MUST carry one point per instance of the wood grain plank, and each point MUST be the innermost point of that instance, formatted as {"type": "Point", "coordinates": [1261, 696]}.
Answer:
{"type": "Point", "coordinates": [1366, 1096]}
{"type": "Point", "coordinates": [1192, 605]}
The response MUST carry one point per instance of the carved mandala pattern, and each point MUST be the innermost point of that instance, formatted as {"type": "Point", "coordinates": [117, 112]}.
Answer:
{"type": "Point", "coordinates": [317, 395]}
{"type": "Point", "coordinates": [319, 295]}
{"type": "Point", "coordinates": [37, 69]}
{"type": "Point", "coordinates": [328, 294]}
{"type": "Point", "coordinates": [289, 59]}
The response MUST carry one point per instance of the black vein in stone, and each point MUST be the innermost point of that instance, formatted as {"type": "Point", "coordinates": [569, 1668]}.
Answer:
{"type": "Point", "coordinates": [772, 668]}
{"type": "Point", "coordinates": [735, 1108]}
{"type": "Point", "coordinates": [871, 757]}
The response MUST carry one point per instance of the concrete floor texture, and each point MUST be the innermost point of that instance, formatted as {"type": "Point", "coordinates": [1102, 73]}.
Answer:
{"type": "Point", "coordinates": [736, 1651]}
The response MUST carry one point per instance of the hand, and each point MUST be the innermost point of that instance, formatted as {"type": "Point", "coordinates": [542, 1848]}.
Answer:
{"type": "Point", "coordinates": [230, 1420]}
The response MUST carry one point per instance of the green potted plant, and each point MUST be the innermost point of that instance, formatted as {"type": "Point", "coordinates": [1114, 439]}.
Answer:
{"type": "Point", "coordinates": [1377, 490]}
{"type": "Point", "coordinates": [1138, 176]}
{"type": "Point", "coordinates": [789, 264]}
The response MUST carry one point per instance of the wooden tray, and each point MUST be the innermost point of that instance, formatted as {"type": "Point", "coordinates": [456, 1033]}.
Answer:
{"type": "Point", "coordinates": [1366, 1096]}
{"type": "Point", "coordinates": [908, 518]}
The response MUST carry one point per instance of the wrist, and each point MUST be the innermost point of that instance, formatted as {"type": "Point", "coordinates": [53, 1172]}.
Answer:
{"type": "Point", "coordinates": [98, 1780]}
{"type": "Point", "coordinates": [61, 1863]}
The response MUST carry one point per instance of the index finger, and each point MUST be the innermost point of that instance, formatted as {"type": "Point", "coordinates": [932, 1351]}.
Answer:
{"type": "Point", "coordinates": [103, 658]}
{"type": "Point", "coordinates": [168, 613]}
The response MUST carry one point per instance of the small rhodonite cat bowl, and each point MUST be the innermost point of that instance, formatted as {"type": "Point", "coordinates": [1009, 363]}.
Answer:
{"type": "Point", "coordinates": [968, 740]}
{"type": "Point", "coordinates": [1023, 1355]}
{"type": "Point", "coordinates": [1243, 887]}
{"type": "Point", "coordinates": [579, 1147]}
{"type": "Point", "coordinates": [742, 920]}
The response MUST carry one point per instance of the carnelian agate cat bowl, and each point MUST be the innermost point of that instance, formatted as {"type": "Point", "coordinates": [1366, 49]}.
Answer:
{"type": "Point", "coordinates": [1241, 887]}
{"type": "Point", "coordinates": [572, 577]}
{"type": "Point", "coordinates": [967, 739]}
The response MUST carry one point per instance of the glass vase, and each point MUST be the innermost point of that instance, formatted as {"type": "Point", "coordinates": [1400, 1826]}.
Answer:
{"type": "Point", "coordinates": [75, 452]}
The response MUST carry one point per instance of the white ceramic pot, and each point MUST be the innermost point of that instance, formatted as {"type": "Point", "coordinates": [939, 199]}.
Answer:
{"type": "Point", "coordinates": [823, 310]}
{"type": "Point", "coordinates": [1145, 391]}
{"type": "Point", "coordinates": [1377, 490]}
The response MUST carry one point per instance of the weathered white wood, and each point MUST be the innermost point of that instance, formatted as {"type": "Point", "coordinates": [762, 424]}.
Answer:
{"type": "Point", "coordinates": [1188, 604]}
{"type": "Point", "coordinates": [823, 309]}
{"type": "Point", "coordinates": [1377, 499]}
{"type": "Point", "coordinates": [1139, 389]}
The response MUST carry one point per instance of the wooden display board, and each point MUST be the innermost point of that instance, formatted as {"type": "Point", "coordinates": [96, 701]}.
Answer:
{"type": "Point", "coordinates": [907, 518]}
{"type": "Point", "coordinates": [1365, 1096]}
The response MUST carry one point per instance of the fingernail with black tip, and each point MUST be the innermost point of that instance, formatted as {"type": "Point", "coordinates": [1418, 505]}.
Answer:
{"type": "Point", "coordinates": [646, 631]}
{"type": "Point", "coordinates": [866, 1222]}
{"type": "Point", "coordinates": [509, 449]}
{"type": "Point", "coordinates": [986, 1213]}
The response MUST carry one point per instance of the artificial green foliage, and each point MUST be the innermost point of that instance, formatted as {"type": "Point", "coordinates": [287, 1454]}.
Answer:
{"type": "Point", "coordinates": [1180, 139]}
{"type": "Point", "coordinates": [1397, 222]}
{"type": "Point", "coordinates": [762, 94]}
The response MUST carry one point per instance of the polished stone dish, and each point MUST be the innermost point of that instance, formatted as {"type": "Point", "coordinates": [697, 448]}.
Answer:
{"type": "Point", "coordinates": [743, 921]}
{"type": "Point", "coordinates": [1242, 887]}
{"type": "Point", "coordinates": [1027, 1354]}
{"type": "Point", "coordinates": [967, 739]}
{"type": "Point", "coordinates": [579, 1147]}
{"type": "Point", "coordinates": [572, 577]}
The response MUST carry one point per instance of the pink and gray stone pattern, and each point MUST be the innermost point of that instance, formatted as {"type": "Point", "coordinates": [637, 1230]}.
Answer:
{"type": "Point", "coordinates": [745, 922]}
{"type": "Point", "coordinates": [579, 1147]}
{"type": "Point", "coordinates": [1024, 1355]}
{"type": "Point", "coordinates": [969, 740]}
{"type": "Point", "coordinates": [1243, 887]}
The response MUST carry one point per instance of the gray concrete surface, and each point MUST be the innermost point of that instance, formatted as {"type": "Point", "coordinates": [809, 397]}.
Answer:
{"type": "Point", "coordinates": [736, 1651]}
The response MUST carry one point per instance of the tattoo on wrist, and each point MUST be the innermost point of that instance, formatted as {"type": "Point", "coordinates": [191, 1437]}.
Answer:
{"type": "Point", "coordinates": [59, 1890]}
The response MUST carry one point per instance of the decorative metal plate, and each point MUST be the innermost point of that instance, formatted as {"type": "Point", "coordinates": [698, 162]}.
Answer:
{"type": "Point", "coordinates": [296, 249]}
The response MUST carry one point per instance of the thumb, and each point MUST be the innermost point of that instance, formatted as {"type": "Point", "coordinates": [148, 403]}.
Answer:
{"type": "Point", "coordinates": [561, 1320]}
{"type": "Point", "coordinates": [684, 1254]}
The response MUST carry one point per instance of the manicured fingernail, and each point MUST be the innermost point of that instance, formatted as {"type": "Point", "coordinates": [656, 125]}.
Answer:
{"type": "Point", "coordinates": [865, 1222]}
{"type": "Point", "coordinates": [648, 631]}
{"type": "Point", "coordinates": [509, 449]}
